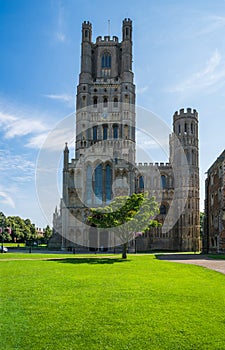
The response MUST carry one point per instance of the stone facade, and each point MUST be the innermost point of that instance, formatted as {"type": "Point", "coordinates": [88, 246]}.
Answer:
{"type": "Point", "coordinates": [104, 164]}
{"type": "Point", "coordinates": [214, 225]}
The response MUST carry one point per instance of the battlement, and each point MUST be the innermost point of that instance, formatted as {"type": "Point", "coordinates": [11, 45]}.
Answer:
{"type": "Point", "coordinates": [157, 165]}
{"type": "Point", "coordinates": [87, 23]}
{"type": "Point", "coordinates": [186, 113]}
{"type": "Point", "coordinates": [107, 38]}
{"type": "Point", "coordinates": [127, 21]}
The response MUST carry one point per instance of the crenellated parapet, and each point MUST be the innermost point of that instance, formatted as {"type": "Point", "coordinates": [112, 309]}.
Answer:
{"type": "Point", "coordinates": [107, 39]}
{"type": "Point", "coordinates": [152, 165]}
{"type": "Point", "coordinates": [183, 113]}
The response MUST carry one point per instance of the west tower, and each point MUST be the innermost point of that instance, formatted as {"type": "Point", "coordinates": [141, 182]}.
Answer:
{"type": "Point", "coordinates": [103, 166]}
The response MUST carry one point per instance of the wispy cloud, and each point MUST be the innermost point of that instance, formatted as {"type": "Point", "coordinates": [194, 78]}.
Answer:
{"type": "Point", "coordinates": [54, 140]}
{"type": "Point", "coordinates": [66, 98]}
{"type": "Point", "coordinates": [60, 32]}
{"type": "Point", "coordinates": [15, 126]}
{"type": "Point", "coordinates": [15, 165]}
{"type": "Point", "coordinates": [142, 90]}
{"type": "Point", "coordinates": [212, 75]}
{"type": "Point", "coordinates": [21, 121]}
{"type": "Point", "coordinates": [6, 199]}
{"type": "Point", "coordinates": [211, 24]}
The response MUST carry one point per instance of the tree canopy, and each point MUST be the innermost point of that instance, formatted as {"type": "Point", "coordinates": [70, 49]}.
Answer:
{"type": "Point", "coordinates": [129, 215]}
{"type": "Point", "coordinates": [21, 230]}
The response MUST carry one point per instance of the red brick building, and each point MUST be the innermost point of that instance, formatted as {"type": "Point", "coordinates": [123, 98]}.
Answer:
{"type": "Point", "coordinates": [214, 227]}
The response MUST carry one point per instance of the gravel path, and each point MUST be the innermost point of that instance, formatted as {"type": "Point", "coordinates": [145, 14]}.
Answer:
{"type": "Point", "coordinates": [201, 260]}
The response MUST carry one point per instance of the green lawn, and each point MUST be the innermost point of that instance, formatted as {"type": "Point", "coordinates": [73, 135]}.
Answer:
{"type": "Point", "coordinates": [101, 302]}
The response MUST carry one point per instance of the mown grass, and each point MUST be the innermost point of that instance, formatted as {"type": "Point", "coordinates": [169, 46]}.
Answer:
{"type": "Point", "coordinates": [216, 256]}
{"type": "Point", "coordinates": [92, 302]}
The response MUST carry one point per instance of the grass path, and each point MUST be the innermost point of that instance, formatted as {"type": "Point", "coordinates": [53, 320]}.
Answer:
{"type": "Point", "coordinates": [102, 302]}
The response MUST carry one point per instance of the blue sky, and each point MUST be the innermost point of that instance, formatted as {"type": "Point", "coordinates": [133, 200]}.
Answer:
{"type": "Point", "coordinates": [179, 61]}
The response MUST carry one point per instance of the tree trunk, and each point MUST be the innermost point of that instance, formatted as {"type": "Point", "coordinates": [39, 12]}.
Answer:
{"type": "Point", "coordinates": [124, 254]}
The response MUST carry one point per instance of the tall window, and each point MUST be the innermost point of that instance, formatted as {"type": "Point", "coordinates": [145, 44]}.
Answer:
{"type": "Point", "coordinates": [115, 102]}
{"type": "Point", "coordinates": [108, 182]}
{"type": "Point", "coordinates": [115, 131]}
{"type": "Point", "coordinates": [105, 132]}
{"type": "Point", "coordinates": [88, 184]}
{"type": "Point", "coordinates": [163, 181]}
{"type": "Point", "coordinates": [98, 184]}
{"type": "Point", "coordinates": [162, 209]}
{"type": "Point", "coordinates": [95, 101]}
{"type": "Point", "coordinates": [105, 102]}
{"type": "Point", "coordinates": [95, 133]}
{"type": "Point", "coordinates": [126, 132]}
{"type": "Point", "coordinates": [141, 182]}
{"type": "Point", "coordinates": [106, 60]}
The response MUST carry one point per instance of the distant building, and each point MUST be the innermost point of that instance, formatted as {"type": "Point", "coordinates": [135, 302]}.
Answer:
{"type": "Point", "coordinates": [105, 154]}
{"type": "Point", "coordinates": [214, 227]}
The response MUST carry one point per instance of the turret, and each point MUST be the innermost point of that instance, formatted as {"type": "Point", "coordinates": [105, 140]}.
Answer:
{"type": "Point", "coordinates": [86, 47]}
{"type": "Point", "coordinates": [184, 141]}
{"type": "Point", "coordinates": [127, 50]}
{"type": "Point", "coordinates": [66, 157]}
{"type": "Point", "coordinates": [185, 127]}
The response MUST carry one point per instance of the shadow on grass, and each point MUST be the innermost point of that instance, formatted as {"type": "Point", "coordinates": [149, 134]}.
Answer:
{"type": "Point", "coordinates": [180, 256]}
{"type": "Point", "coordinates": [89, 260]}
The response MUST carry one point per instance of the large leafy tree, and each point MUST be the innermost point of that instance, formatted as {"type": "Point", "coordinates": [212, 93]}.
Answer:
{"type": "Point", "coordinates": [128, 215]}
{"type": "Point", "coordinates": [5, 230]}
{"type": "Point", "coordinates": [21, 229]}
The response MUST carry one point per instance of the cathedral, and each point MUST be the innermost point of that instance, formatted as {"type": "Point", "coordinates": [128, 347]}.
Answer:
{"type": "Point", "coordinates": [104, 164]}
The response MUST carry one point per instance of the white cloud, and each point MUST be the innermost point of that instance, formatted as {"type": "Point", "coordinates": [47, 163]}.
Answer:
{"type": "Point", "coordinates": [61, 37]}
{"type": "Point", "coordinates": [37, 141]}
{"type": "Point", "coordinates": [6, 199]}
{"type": "Point", "coordinates": [60, 31]}
{"type": "Point", "coordinates": [213, 74]}
{"type": "Point", "coordinates": [142, 90]}
{"type": "Point", "coordinates": [15, 166]}
{"type": "Point", "coordinates": [20, 127]}
{"type": "Point", "coordinates": [69, 99]}
{"type": "Point", "coordinates": [19, 121]}
{"type": "Point", "coordinates": [211, 24]}
{"type": "Point", "coordinates": [54, 140]}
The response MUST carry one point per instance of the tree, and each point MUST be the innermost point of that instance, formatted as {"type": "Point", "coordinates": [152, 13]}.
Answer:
{"type": "Point", "coordinates": [129, 215]}
{"type": "Point", "coordinates": [47, 233]}
{"type": "Point", "coordinates": [22, 229]}
{"type": "Point", "coordinates": [5, 230]}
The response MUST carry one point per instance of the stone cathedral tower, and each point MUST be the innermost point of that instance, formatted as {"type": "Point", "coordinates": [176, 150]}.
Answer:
{"type": "Point", "coordinates": [104, 163]}
{"type": "Point", "coordinates": [187, 228]}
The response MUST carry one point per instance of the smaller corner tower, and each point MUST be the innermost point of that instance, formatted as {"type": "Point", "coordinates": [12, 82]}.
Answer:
{"type": "Point", "coordinates": [185, 129]}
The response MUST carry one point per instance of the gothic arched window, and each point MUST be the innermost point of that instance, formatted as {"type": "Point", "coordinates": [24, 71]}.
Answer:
{"type": "Point", "coordinates": [105, 102]}
{"type": "Point", "coordinates": [88, 184]}
{"type": "Point", "coordinates": [108, 182]}
{"type": "Point", "coordinates": [95, 101]}
{"type": "Point", "coordinates": [163, 181]}
{"type": "Point", "coordinates": [115, 131]}
{"type": "Point", "coordinates": [95, 133]}
{"type": "Point", "coordinates": [98, 184]}
{"type": "Point", "coordinates": [141, 182]}
{"type": "Point", "coordinates": [162, 209]}
{"type": "Point", "coordinates": [106, 60]}
{"type": "Point", "coordinates": [126, 130]}
{"type": "Point", "coordinates": [105, 132]}
{"type": "Point", "coordinates": [115, 102]}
